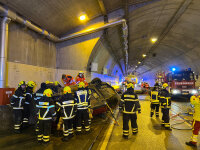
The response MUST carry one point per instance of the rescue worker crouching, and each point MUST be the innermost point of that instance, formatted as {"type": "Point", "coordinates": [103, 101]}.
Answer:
{"type": "Point", "coordinates": [68, 108]}
{"type": "Point", "coordinates": [28, 101]}
{"type": "Point", "coordinates": [82, 96]}
{"type": "Point", "coordinates": [130, 105]}
{"type": "Point", "coordinates": [195, 100]}
{"type": "Point", "coordinates": [17, 102]}
{"type": "Point", "coordinates": [165, 102]}
{"type": "Point", "coordinates": [45, 115]}
{"type": "Point", "coordinates": [154, 102]}
{"type": "Point", "coordinates": [80, 78]}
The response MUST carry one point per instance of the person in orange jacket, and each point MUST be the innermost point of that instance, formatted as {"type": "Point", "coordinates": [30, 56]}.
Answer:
{"type": "Point", "coordinates": [80, 78]}
{"type": "Point", "coordinates": [68, 80]}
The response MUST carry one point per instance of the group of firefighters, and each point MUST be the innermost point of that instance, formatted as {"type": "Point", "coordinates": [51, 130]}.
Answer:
{"type": "Point", "coordinates": [71, 110]}
{"type": "Point", "coordinates": [74, 109]}
{"type": "Point", "coordinates": [130, 106]}
{"type": "Point", "coordinates": [160, 97]}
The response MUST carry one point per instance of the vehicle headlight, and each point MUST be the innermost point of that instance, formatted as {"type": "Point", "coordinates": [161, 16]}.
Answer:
{"type": "Point", "coordinates": [194, 91]}
{"type": "Point", "coordinates": [176, 92]}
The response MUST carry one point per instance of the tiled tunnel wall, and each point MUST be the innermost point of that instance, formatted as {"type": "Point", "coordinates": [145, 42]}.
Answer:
{"type": "Point", "coordinates": [32, 57]}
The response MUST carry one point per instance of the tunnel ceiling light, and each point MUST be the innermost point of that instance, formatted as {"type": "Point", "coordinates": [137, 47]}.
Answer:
{"type": "Point", "coordinates": [144, 55]}
{"type": "Point", "coordinates": [83, 16]}
{"type": "Point", "coordinates": [139, 62]}
{"type": "Point", "coordinates": [153, 40]}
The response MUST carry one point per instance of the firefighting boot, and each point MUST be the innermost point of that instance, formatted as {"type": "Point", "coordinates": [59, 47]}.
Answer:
{"type": "Point", "coordinates": [135, 131]}
{"type": "Point", "coordinates": [125, 136]}
{"type": "Point", "coordinates": [151, 115]}
{"type": "Point", "coordinates": [65, 139]}
{"type": "Point", "coordinates": [190, 143]}
{"type": "Point", "coordinates": [71, 136]}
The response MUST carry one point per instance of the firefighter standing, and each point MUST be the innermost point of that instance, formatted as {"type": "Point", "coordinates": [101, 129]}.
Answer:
{"type": "Point", "coordinates": [154, 102]}
{"type": "Point", "coordinates": [82, 96]}
{"type": "Point", "coordinates": [68, 107]}
{"type": "Point", "coordinates": [80, 78]}
{"type": "Point", "coordinates": [28, 101]}
{"type": "Point", "coordinates": [165, 102]}
{"type": "Point", "coordinates": [68, 80]}
{"type": "Point", "coordinates": [37, 97]}
{"type": "Point", "coordinates": [45, 115]}
{"type": "Point", "coordinates": [195, 100]}
{"type": "Point", "coordinates": [17, 102]}
{"type": "Point", "coordinates": [130, 105]}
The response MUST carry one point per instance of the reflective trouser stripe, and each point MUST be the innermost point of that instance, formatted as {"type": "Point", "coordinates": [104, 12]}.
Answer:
{"type": "Point", "coordinates": [87, 128]}
{"type": "Point", "coordinates": [70, 131]}
{"type": "Point", "coordinates": [163, 122]}
{"type": "Point", "coordinates": [194, 138]}
{"type": "Point", "coordinates": [78, 129]}
{"type": "Point", "coordinates": [135, 129]}
{"type": "Point", "coordinates": [46, 138]}
{"type": "Point", "coordinates": [126, 132]}
{"type": "Point", "coordinates": [17, 126]}
{"type": "Point", "coordinates": [65, 133]}
{"type": "Point", "coordinates": [39, 137]}
{"type": "Point", "coordinates": [25, 120]}
{"type": "Point", "coordinates": [167, 124]}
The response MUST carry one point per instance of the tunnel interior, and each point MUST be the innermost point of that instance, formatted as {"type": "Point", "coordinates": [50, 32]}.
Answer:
{"type": "Point", "coordinates": [105, 53]}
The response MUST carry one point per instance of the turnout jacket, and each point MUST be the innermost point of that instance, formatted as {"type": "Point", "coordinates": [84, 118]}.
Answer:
{"type": "Point", "coordinates": [29, 95]}
{"type": "Point", "coordinates": [165, 99]}
{"type": "Point", "coordinates": [17, 100]}
{"type": "Point", "coordinates": [67, 106]}
{"type": "Point", "coordinates": [46, 108]}
{"type": "Point", "coordinates": [82, 96]}
{"type": "Point", "coordinates": [129, 102]}
{"type": "Point", "coordinates": [154, 97]}
{"type": "Point", "coordinates": [196, 102]}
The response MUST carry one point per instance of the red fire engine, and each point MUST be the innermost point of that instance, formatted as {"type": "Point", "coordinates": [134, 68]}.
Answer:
{"type": "Point", "coordinates": [181, 83]}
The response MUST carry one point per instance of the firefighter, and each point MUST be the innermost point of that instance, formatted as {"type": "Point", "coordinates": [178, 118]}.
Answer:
{"type": "Point", "coordinates": [28, 101]}
{"type": "Point", "coordinates": [195, 100]}
{"type": "Point", "coordinates": [45, 115]}
{"type": "Point", "coordinates": [165, 102]}
{"type": "Point", "coordinates": [82, 96]}
{"type": "Point", "coordinates": [130, 105]}
{"type": "Point", "coordinates": [68, 80]}
{"type": "Point", "coordinates": [37, 97]}
{"type": "Point", "coordinates": [17, 102]}
{"type": "Point", "coordinates": [154, 102]}
{"type": "Point", "coordinates": [80, 78]}
{"type": "Point", "coordinates": [68, 107]}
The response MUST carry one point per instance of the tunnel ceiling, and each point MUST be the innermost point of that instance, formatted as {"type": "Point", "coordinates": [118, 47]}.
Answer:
{"type": "Point", "coordinates": [175, 23]}
{"type": "Point", "coordinates": [61, 16]}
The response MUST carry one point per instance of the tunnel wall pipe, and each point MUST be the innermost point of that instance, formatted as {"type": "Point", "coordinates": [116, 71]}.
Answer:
{"type": "Point", "coordinates": [4, 49]}
{"type": "Point", "coordinates": [13, 16]}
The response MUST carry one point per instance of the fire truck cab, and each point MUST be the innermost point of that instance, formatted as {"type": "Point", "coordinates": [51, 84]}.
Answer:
{"type": "Point", "coordinates": [182, 83]}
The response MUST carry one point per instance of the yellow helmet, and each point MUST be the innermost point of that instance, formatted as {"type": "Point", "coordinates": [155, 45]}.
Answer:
{"type": "Point", "coordinates": [81, 85]}
{"type": "Point", "coordinates": [21, 83]}
{"type": "Point", "coordinates": [56, 83]}
{"type": "Point", "coordinates": [165, 85]}
{"type": "Point", "coordinates": [130, 85]}
{"type": "Point", "coordinates": [47, 82]}
{"type": "Point", "coordinates": [48, 93]}
{"type": "Point", "coordinates": [66, 90]}
{"type": "Point", "coordinates": [31, 84]}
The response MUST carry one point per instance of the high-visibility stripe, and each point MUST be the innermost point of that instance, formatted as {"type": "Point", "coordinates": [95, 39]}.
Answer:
{"type": "Point", "coordinates": [132, 96]}
{"type": "Point", "coordinates": [125, 134]}
{"type": "Point", "coordinates": [45, 140]}
{"type": "Point", "coordinates": [41, 135]}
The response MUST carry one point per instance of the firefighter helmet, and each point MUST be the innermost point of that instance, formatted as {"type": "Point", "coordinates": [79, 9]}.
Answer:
{"type": "Point", "coordinates": [81, 74]}
{"type": "Point", "coordinates": [56, 83]}
{"type": "Point", "coordinates": [130, 85]}
{"type": "Point", "coordinates": [66, 90]}
{"type": "Point", "coordinates": [21, 83]}
{"type": "Point", "coordinates": [165, 85]}
{"type": "Point", "coordinates": [48, 93]}
{"type": "Point", "coordinates": [47, 82]}
{"type": "Point", "coordinates": [81, 85]}
{"type": "Point", "coordinates": [31, 84]}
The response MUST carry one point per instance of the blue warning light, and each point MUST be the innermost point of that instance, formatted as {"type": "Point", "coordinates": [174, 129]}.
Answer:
{"type": "Point", "coordinates": [173, 69]}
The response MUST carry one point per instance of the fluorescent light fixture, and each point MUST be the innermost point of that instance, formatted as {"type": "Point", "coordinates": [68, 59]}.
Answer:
{"type": "Point", "coordinates": [175, 91]}
{"type": "Point", "coordinates": [144, 55]}
{"type": "Point", "coordinates": [153, 40]}
{"type": "Point", "coordinates": [139, 62]}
